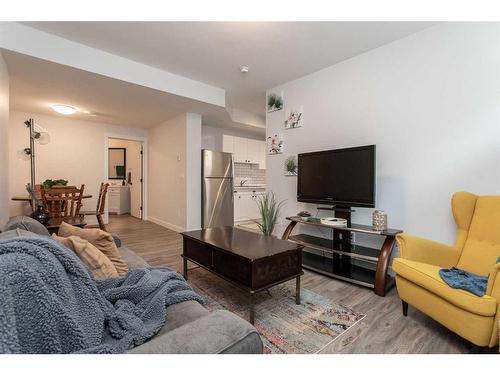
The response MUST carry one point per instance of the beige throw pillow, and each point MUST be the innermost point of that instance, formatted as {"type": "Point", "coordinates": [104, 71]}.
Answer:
{"type": "Point", "coordinates": [97, 262]}
{"type": "Point", "coordinates": [100, 239]}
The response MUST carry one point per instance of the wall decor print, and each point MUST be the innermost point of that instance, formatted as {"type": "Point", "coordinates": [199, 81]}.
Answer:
{"type": "Point", "coordinates": [275, 144]}
{"type": "Point", "coordinates": [274, 102]}
{"type": "Point", "coordinates": [291, 166]}
{"type": "Point", "coordinates": [295, 118]}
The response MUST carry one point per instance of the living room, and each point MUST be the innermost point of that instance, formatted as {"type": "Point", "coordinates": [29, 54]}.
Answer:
{"type": "Point", "coordinates": [333, 189]}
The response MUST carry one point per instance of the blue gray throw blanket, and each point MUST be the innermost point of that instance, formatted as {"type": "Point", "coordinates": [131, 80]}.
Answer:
{"type": "Point", "coordinates": [50, 303]}
{"type": "Point", "coordinates": [460, 279]}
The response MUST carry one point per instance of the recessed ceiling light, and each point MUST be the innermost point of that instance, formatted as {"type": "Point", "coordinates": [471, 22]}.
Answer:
{"type": "Point", "coordinates": [63, 109]}
{"type": "Point", "coordinates": [244, 69]}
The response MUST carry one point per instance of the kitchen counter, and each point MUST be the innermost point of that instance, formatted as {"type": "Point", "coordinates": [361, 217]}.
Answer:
{"type": "Point", "coordinates": [249, 188]}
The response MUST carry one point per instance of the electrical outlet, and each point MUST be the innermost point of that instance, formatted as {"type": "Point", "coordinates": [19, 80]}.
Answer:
{"type": "Point", "coordinates": [353, 237]}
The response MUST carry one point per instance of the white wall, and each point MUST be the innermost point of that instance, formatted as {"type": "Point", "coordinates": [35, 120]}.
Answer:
{"type": "Point", "coordinates": [212, 136]}
{"type": "Point", "coordinates": [193, 171]}
{"type": "Point", "coordinates": [167, 188]}
{"type": "Point", "coordinates": [431, 104]}
{"type": "Point", "coordinates": [76, 152]}
{"type": "Point", "coordinates": [4, 149]}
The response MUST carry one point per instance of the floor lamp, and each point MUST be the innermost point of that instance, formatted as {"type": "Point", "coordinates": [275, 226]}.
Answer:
{"type": "Point", "coordinates": [40, 135]}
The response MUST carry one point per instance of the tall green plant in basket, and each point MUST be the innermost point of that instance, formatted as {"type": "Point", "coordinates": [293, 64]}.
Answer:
{"type": "Point", "coordinates": [269, 209]}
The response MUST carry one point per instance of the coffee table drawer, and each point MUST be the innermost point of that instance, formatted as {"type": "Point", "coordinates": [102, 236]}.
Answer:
{"type": "Point", "coordinates": [233, 267]}
{"type": "Point", "coordinates": [198, 252]}
{"type": "Point", "coordinates": [272, 270]}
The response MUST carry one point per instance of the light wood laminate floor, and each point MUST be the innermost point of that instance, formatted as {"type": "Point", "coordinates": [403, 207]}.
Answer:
{"type": "Point", "coordinates": [383, 330]}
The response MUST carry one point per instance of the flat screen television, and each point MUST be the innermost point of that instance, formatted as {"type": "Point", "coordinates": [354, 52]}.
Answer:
{"type": "Point", "coordinates": [343, 177]}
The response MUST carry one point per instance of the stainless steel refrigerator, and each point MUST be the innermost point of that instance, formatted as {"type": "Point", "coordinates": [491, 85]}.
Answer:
{"type": "Point", "coordinates": [217, 189]}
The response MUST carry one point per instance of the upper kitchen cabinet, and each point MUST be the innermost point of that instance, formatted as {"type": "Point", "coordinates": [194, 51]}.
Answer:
{"type": "Point", "coordinates": [240, 150]}
{"type": "Point", "coordinates": [253, 151]}
{"type": "Point", "coordinates": [228, 143]}
{"type": "Point", "coordinates": [245, 150]}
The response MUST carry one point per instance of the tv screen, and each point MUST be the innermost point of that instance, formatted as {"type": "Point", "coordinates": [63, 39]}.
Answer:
{"type": "Point", "coordinates": [342, 177]}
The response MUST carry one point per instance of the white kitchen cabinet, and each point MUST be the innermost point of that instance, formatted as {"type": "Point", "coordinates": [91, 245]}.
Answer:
{"type": "Point", "coordinates": [245, 150]}
{"type": "Point", "coordinates": [227, 143]}
{"type": "Point", "coordinates": [246, 206]}
{"type": "Point", "coordinates": [118, 200]}
{"type": "Point", "coordinates": [240, 150]}
{"type": "Point", "coordinates": [253, 151]}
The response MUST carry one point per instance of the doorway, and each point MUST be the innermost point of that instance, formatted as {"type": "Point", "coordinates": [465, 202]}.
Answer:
{"type": "Point", "coordinates": [125, 174]}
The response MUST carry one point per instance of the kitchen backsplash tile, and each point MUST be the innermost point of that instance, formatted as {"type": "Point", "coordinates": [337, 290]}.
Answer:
{"type": "Point", "coordinates": [249, 172]}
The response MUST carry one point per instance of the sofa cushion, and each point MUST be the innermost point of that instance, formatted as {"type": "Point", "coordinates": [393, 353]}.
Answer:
{"type": "Point", "coordinates": [26, 223]}
{"type": "Point", "coordinates": [427, 276]}
{"type": "Point", "coordinates": [15, 233]}
{"type": "Point", "coordinates": [131, 258]}
{"type": "Point", "coordinates": [100, 239]}
{"type": "Point", "coordinates": [217, 332]}
{"type": "Point", "coordinates": [98, 263]}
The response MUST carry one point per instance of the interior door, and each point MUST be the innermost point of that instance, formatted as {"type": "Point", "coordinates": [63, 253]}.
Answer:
{"type": "Point", "coordinates": [134, 165]}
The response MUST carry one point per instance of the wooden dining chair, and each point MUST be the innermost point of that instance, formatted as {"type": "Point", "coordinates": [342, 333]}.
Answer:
{"type": "Point", "coordinates": [62, 201]}
{"type": "Point", "coordinates": [101, 203]}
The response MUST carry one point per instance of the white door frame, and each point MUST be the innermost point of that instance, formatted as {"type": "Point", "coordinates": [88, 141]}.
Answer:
{"type": "Point", "coordinates": [145, 178]}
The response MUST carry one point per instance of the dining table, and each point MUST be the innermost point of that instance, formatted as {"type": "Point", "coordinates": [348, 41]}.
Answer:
{"type": "Point", "coordinates": [27, 198]}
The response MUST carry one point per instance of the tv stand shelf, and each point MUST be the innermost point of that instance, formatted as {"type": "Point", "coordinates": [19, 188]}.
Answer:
{"type": "Point", "coordinates": [340, 259]}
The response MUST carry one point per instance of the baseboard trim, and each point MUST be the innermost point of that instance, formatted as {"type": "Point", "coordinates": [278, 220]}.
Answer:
{"type": "Point", "coordinates": [166, 224]}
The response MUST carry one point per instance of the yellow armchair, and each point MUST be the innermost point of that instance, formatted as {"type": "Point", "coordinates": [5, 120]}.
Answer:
{"type": "Point", "coordinates": [476, 250]}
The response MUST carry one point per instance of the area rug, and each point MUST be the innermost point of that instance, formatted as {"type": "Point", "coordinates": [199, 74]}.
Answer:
{"type": "Point", "coordinates": [284, 326]}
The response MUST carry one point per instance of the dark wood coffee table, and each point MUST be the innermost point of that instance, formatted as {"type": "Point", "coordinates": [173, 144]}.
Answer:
{"type": "Point", "coordinates": [251, 261]}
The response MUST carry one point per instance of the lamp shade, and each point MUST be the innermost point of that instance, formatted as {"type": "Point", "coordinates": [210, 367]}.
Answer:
{"type": "Point", "coordinates": [23, 155]}
{"type": "Point", "coordinates": [41, 134]}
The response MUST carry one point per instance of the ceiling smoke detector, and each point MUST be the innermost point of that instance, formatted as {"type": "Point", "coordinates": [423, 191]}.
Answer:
{"type": "Point", "coordinates": [244, 69]}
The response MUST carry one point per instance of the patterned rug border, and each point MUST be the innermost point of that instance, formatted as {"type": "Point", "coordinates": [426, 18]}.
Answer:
{"type": "Point", "coordinates": [317, 351]}
{"type": "Point", "coordinates": [339, 336]}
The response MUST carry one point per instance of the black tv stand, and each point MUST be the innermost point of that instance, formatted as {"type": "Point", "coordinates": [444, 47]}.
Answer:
{"type": "Point", "coordinates": [341, 259]}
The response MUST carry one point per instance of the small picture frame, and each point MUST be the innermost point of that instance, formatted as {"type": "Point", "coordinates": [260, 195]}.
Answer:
{"type": "Point", "coordinates": [275, 144]}
{"type": "Point", "coordinates": [291, 166]}
{"type": "Point", "coordinates": [295, 118]}
{"type": "Point", "coordinates": [275, 102]}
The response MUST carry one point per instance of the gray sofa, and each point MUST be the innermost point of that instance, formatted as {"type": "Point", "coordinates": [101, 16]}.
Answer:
{"type": "Point", "coordinates": [189, 327]}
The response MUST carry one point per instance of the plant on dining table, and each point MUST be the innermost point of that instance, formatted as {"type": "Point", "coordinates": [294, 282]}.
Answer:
{"type": "Point", "coordinates": [48, 183]}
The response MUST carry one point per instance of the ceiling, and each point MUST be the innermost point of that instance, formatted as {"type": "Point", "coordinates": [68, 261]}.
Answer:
{"type": "Point", "coordinates": [35, 84]}
{"type": "Point", "coordinates": [212, 52]}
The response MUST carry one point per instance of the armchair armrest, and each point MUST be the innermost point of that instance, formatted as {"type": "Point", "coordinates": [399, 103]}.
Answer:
{"type": "Point", "coordinates": [427, 251]}
{"type": "Point", "coordinates": [493, 289]}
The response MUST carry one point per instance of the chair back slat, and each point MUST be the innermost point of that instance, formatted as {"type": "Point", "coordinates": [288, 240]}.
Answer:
{"type": "Point", "coordinates": [101, 201]}
{"type": "Point", "coordinates": [64, 201]}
